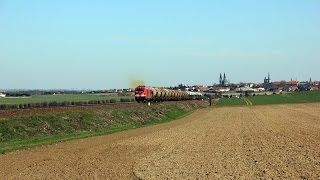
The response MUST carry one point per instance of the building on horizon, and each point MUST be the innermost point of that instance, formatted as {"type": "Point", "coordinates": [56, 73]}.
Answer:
{"type": "Point", "coordinates": [267, 80]}
{"type": "Point", "coordinates": [2, 95]}
{"type": "Point", "coordinates": [223, 81]}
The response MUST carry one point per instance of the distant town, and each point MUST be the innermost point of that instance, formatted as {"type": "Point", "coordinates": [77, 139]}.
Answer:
{"type": "Point", "coordinates": [266, 86]}
{"type": "Point", "coordinates": [224, 86]}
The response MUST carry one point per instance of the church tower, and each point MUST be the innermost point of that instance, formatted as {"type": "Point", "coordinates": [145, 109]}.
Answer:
{"type": "Point", "coordinates": [267, 80]}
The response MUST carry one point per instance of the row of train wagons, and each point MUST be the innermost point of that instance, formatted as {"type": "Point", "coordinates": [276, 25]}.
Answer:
{"type": "Point", "coordinates": [148, 94]}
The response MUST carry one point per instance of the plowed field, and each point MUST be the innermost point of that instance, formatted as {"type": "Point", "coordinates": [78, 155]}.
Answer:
{"type": "Point", "coordinates": [251, 142]}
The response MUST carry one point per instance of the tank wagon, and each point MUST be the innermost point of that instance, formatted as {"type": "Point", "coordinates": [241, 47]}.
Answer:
{"type": "Point", "coordinates": [151, 94]}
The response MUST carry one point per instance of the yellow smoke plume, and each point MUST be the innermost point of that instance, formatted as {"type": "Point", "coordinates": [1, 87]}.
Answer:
{"type": "Point", "coordinates": [135, 82]}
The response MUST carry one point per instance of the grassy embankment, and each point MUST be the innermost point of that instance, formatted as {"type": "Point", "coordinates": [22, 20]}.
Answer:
{"type": "Point", "coordinates": [285, 98]}
{"type": "Point", "coordinates": [29, 131]}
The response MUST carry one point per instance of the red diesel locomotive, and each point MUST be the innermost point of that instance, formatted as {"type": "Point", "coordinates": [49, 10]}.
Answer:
{"type": "Point", "coordinates": [149, 94]}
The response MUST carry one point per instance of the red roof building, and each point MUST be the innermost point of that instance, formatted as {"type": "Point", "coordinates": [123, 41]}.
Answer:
{"type": "Point", "coordinates": [277, 83]}
{"type": "Point", "coordinates": [316, 83]}
{"type": "Point", "coordinates": [288, 83]}
{"type": "Point", "coordinates": [292, 83]}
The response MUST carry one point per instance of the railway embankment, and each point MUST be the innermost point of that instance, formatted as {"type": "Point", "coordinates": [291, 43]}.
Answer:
{"type": "Point", "coordinates": [20, 131]}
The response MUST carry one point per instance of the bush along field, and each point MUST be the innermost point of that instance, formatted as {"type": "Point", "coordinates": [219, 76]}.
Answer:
{"type": "Point", "coordinates": [27, 131]}
{"type": "Point", "coordinates": [285, 98]}
{"type": "Point", "coordinates": [48, 101]}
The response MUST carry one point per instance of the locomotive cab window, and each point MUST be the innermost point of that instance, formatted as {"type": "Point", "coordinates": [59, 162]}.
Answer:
{"type": "Point", "coordinates": [139, 90]}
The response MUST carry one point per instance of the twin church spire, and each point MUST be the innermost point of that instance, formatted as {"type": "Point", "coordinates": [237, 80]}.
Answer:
{"type": "Point", "coordinates": [223, 80]}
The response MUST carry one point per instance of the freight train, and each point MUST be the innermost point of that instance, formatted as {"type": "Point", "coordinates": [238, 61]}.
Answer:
{"type": "Point", "coordinates": [149, 94]}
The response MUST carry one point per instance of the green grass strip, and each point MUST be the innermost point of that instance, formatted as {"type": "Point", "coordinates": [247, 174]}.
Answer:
{"type": "Point", "coordinates": [17, 144]}
{"type": "Point", "coordinates": [285, 98]}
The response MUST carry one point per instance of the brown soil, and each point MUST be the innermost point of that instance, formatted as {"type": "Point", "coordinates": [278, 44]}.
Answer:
{"type": "Point", "coordinates": [252, 142]}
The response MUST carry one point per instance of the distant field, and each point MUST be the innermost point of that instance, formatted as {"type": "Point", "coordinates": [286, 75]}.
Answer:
{"type": "Point", "coordinates": [286, 98]}
{"type": "Point", "coordinates": [231, 101]}
{"type": "Point", "coordinates": [59, 98]}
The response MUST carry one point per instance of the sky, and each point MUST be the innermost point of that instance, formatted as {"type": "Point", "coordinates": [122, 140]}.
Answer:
{"type": "Point", "coordinates": [94, 44]}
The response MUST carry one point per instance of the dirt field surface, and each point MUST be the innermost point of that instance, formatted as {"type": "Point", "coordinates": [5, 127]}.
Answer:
{"type": "Point", "coordinates": [249, 142]}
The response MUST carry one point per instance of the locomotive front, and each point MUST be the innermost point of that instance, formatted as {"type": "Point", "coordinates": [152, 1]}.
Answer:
{"type": "Point", "coordinates": [141, 93]}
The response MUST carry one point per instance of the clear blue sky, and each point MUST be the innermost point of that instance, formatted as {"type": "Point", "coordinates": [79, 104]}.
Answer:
{"type": "Point", "coordinates": [103, 44]}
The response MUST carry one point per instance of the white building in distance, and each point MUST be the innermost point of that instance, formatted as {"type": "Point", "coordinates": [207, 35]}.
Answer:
{"type": "Point", "coordinates": [2, 95]}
